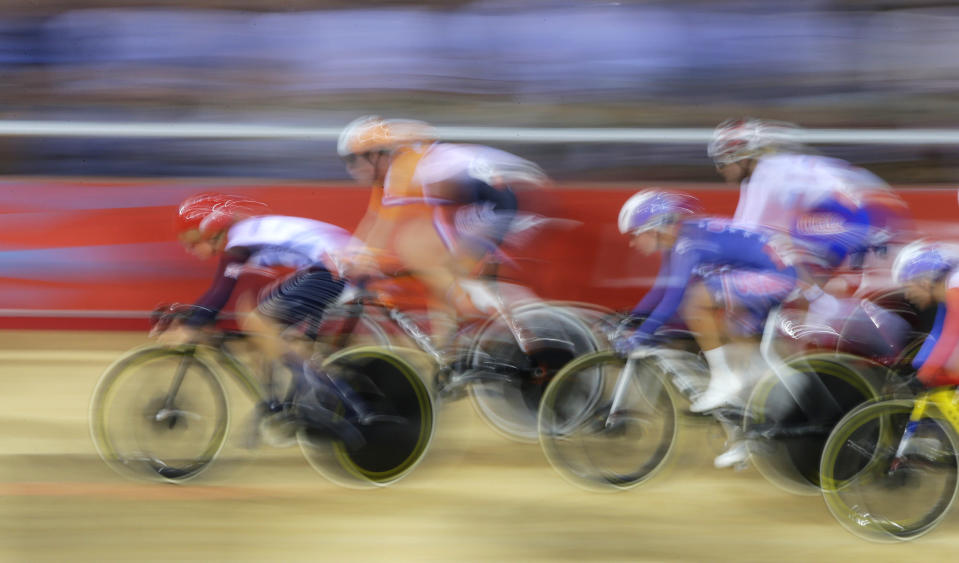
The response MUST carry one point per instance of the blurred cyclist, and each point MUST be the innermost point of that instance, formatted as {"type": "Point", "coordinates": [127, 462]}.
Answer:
{"type": "Point", "coordinates": [436, 210]}
{"type": "Point", "coordinates": [721, 278]}
{"type": "Point", "coordinates": [928, 274]}
{"type": "Point", "coordinates": [832, 210]}
{"type": "Point", "coordinates": [239, 233]}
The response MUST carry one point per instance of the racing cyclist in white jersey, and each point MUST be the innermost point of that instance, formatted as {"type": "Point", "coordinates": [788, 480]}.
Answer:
{"type": "Point", "coordinates": [235, 230]}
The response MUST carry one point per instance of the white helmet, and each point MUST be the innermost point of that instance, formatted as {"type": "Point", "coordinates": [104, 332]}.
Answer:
{"type": "Point", "coordinates": [373, 133]}
{"type": "Point", "coordinates": [738, 139]}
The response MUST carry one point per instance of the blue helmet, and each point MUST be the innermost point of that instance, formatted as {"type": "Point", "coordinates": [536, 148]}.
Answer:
{"type": "Point", "coordinates": [654, 208]}
{"type": "Point", "coordinates": [922, 260]}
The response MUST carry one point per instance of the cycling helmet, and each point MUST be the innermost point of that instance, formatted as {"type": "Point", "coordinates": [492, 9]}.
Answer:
{"type": "Point", "coordinates": [738, 139]}
{"type": "Point", "coordinates": [654, 208]}
{"type": "Point", "coordinates": [211, 212]}
{"type": "Point", "coordinates": [922, 260]}
{"type": "Point", "coordinates": [373, 133]}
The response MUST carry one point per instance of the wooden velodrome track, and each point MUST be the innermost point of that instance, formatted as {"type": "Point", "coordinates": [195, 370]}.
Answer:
{"type": "Point", "coordinates": [477, 497]}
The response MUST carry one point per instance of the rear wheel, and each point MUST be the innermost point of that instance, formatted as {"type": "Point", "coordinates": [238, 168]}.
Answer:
{"type": "Point", "coordinates": [789, 419]}
{"type": "Point", "coordinates": [390, 447]}
{"type": "Point", "coordinates": [511, 383]}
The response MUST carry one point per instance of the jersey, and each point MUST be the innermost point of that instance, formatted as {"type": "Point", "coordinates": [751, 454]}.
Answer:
{"type": "Point", "coordinates": [703, 247]}
{"type": "Point", "coordinates": [291, 242]}
{"type": "Point", "coordinates": [934, 359]}
{"type": "Point", "coordinates": [827, 205]}
{"type": "Point", "coordinates": [475, 171]}
{"type": "Point", "coordinates": [267, 241]}
{"type": "Point", "coordinates": [395, 203]}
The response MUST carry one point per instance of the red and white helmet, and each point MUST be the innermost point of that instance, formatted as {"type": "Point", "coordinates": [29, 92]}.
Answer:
{"type": "Point", "coordinates": [212, 212]}
{"type": "Point", "coordinates": [738, 139]}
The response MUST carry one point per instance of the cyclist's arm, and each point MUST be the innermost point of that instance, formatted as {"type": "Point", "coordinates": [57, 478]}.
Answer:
{"type": "Point", "coordinates": [367, 230]}
{"type": "Point", "coordinates": [678, 271]}
{"type": "Point", "coordinates": [208, 306]}
{"type": "Point", "coordinates": [655, 293]}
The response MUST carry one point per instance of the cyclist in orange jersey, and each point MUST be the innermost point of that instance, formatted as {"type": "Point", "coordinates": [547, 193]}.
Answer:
{"type": "Point", "coordinates": [436, 208]}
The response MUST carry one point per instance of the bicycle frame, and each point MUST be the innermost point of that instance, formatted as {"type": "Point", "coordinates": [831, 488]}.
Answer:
{"type": "Point", "coordinates": [665, 360]}
{"type": "Point", "coordinates": [221, 357]}
{"type": "Point", "coordinates": [945, 399]}
{"type": "Point", "coordinates": [423, 341]}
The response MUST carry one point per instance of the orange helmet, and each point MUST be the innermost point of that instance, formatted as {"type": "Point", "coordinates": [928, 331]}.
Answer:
{"type": "Point", "coordinates": [373, 133]}
{"type": "Point", "coordinates": [211, 212]}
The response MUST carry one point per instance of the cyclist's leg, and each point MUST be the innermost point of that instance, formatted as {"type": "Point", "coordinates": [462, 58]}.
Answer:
{"type": "Point", "coordinates": [434, 258]}
{"type": "Point", "coordinates": [704, 311]}
{"type": "Point", "coordinates": [745, 298]}
{"type": "Point", "coordinates": [300, 301]}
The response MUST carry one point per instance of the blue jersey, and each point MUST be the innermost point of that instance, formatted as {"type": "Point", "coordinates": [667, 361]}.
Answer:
{"type": "Point", "coordinates": [703, 246]}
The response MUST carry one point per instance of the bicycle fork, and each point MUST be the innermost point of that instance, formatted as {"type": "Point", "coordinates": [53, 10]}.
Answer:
{"type": "Point", "coordinates": [167, 411]}
{"type": "Point", "coordinates": [618, 408]}
{"type": "Point", "coordinates": [945, 399]}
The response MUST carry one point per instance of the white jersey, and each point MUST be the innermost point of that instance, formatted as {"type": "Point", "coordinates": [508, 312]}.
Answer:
{"type": "Point", "coordinates": [451, 161]}
{"type": "Point", "coordinates": [293, 242]}
{"type": "Point", "coordinates": [782, 186]}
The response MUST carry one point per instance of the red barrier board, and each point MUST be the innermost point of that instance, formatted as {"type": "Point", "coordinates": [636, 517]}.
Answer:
{"type": "Point", "coordinates": [97, 254]}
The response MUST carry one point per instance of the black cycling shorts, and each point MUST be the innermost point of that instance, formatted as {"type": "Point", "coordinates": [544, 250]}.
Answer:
{"type": "Point", "coordinates": [301, 298]}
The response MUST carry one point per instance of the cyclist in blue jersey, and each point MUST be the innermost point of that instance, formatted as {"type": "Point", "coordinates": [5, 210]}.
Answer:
{"type": "Point", "coordinates": [722, 279]}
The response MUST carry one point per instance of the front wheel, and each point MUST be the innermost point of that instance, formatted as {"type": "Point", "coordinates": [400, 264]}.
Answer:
{"type": "Point", "coordinates": [159, 413]}
{"type": "Point", "coordinates": [605, 427]}
{"type": "Point", "coordinates": [879, 495]}
{"type": "Point", "coordinates": [391, 447]}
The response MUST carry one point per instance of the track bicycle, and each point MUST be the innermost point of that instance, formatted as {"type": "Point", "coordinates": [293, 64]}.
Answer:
{"type": "Point", "coordinates": [162, 412]}
{"type": "Point", "coordinates": [611, 423]}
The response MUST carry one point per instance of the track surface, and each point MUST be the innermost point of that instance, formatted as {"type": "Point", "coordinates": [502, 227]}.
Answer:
{"type": "Point", "coordinates": [477, 497]}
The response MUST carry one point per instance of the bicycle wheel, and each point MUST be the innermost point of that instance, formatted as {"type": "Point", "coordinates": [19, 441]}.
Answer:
{"type": "Point", "coordinates": [789, 419]}
{"type": "Point", "coordinates": [511, 383]}
{"type": "Point", "coordinates": [391, 448]}
{"type": "Point", "coordinates": [159, 413]}
{"type": "Point", "coordinates": [598, 449]}
{"type": "Point", "coordinates": [880, 499]}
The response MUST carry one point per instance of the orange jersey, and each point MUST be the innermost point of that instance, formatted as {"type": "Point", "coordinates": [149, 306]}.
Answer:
{"type": "Point", "coordinates": [399, 206]}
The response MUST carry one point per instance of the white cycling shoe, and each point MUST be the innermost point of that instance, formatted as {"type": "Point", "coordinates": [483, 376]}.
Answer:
{"type": "Point", "coordinates": [736, 455]}
{"type": "Point", "coordinates": [714, 398]}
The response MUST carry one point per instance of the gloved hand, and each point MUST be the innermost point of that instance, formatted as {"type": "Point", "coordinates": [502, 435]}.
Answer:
{"type": "Point", "coordinates": [626, 344]}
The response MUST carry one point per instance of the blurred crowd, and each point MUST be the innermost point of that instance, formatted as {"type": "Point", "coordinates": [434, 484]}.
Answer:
{"type": "Point", "coordinates": [820, 63]}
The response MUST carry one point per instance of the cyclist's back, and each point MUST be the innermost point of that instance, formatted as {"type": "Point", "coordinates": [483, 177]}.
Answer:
{"type": "Point", "coordinates": [280, 240]}
{"type": "Point", "coordinates": [710, 247]}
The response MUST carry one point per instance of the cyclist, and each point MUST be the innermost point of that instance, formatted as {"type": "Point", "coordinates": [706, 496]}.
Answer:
{"type": "Point", "coordinates": [928, 273]}
{"type": "Point", "coordinates": [720, 277]}
{"type": "Point", "coordinates": [832, 210]}
{"type": "Point", "coordinates": [240, 234]}
{"type": "Point", "coordinates": [436, 210]}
